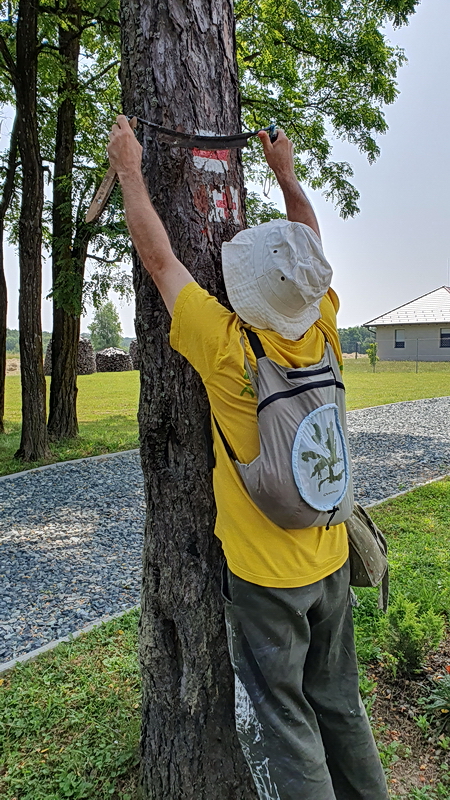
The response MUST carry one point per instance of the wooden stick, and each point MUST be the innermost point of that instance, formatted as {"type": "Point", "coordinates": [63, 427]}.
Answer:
{"type": "Point", "coordinates": [103, 192]}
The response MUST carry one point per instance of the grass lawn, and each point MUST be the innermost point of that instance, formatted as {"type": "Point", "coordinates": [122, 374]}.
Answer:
{"type": "Point", "coordinates": [393, 382]}
{"type": "Point", "coordinates": [69, 721]}
{"type": "Point", "coordinates": [107, 405]}
{"type": "Point", "coordinates": [418, 528]}
{"type": "Point", "coordinates": [107, 409]}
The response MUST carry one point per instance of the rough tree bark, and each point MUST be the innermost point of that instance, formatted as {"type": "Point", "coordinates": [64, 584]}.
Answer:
{"type": "Point", "coordinates": [179, 70]}
{"type": "Point", "coordinates": [62, 421]}
{"type": "Point", "coordinates": [34, 442]}
{"type": "Point", "coordinates": [8, 187]}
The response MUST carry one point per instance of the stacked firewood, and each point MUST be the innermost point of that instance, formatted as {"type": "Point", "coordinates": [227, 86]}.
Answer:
{"type": "Point", "coordinates": [85, 360]}
{"type": "Point", "coordinates": [135, 354]}
{"type": "Point", "coordinates": [112, 359]}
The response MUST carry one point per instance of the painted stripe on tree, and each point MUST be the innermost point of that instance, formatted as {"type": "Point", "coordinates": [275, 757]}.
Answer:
{"type": "Point", "coordinates": [211, 160]}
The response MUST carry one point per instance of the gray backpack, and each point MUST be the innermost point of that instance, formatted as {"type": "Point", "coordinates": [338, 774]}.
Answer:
{"type": "Point", "coordinates": [302, 476]}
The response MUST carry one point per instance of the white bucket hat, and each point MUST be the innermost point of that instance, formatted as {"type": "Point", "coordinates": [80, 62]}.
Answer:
{"type": "Point", "coordinates": [276, 275]}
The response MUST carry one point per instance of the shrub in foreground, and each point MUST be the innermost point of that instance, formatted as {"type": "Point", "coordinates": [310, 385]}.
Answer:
{"type": "Point", "coordinates": [409, 635]}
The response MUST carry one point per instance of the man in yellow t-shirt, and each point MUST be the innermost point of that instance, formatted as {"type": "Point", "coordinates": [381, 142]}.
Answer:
{"type": "Point", "coordinates": [299, 717]}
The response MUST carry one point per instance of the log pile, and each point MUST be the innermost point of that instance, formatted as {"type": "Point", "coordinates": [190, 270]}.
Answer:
{"type": "Point", "coordinates": [85, 361]}
{"type": "Point", "coordinates": [112, 359]}
{"type": "Point", "coordinates": [135, 354]}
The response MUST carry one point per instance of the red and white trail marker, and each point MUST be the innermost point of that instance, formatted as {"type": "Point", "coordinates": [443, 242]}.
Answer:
{"type": "Point", "coordinates": [225, 205]}
{"type": "Point", "coordinates": [211, 160]}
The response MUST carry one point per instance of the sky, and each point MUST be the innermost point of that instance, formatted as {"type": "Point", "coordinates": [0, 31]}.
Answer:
{"type": "Point", "coordinates": [398, 247]}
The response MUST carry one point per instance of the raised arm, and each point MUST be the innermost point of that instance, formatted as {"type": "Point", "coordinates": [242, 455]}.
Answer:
{"type": "Point", "coordinates": [280, 158]}
{"type": "Point", "coordinates": [146, 229]}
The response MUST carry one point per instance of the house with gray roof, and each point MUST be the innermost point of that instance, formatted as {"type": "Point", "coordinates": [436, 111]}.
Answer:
{"type": "Point", "coordinates": [419, 330]}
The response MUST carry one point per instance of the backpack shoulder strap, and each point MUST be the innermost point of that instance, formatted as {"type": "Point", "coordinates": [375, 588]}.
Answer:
{"type": "Point", "coordinates": [226, 444]}
{"type": "Point", "coordinates": [255, 343]}
{"type": "Point", "coordinates": [258, 351]}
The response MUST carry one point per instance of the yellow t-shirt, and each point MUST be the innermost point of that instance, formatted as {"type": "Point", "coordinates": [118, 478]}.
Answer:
{"type": "Point", "coordinates": [256, 549]}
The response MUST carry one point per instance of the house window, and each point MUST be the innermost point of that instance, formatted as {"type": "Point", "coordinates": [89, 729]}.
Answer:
{"type": "Point", "coordinates": [399, 338]}
{"type": "Point", "coordinates": [445, 337]}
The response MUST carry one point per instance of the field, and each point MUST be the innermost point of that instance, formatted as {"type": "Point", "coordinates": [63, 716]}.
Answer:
{"type": "Point", "coordinates": [69, 721]}
{"type": "Point", "coordinates": [107, 409]}
{"type": "Point", "coordinates": [107, 405]}
{"type": "Point", "coordinates": [393, 381]}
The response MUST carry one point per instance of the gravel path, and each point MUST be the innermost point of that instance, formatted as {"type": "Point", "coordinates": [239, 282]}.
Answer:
{"type": "Point", "coordinates": [71, 536]}
{"type": "Point", "coordinates": [70, 548]}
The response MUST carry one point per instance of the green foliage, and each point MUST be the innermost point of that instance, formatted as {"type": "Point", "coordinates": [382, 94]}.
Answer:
{"type": "Point", "coordinates": [319, 69]}
{"type": "Point", "coordinates": [438, 703]}
{"type": "Point", "coordinates": [417, 527]}
{"type": "Point", "coordinates": [258, 211]}
{"type": "Point", "coordinates": [103, 247]}
{"type": "Point", "coordinates": [105, 329]}
{"type": "Point", "coordinates": [423, 724]}
{"type": "Point", "coordinates": [125, 343]}
{"type": "Point", "coordinates": [372, 353]}
{"type": "Point", "coordinates": [12, 340]}
{"type": "Point", "coordinates": [410, 635]}
{"type": "Point", "coordinates": [70, 720]}
{"type": "Point", "coordinates": [440, 791]}
{"type": "Point", "coordinates": [368, 691]}
{"type": "Point", "coordinates": [355, 339]}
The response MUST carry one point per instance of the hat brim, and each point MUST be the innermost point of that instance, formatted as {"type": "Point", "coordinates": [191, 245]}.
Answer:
{"type": "Point", "coordinates": [240, 280]}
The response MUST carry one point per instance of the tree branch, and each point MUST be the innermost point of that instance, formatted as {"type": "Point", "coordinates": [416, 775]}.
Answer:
{"type": "Point", "coordinates": [57, 11]}
{"type": "Point", "coordinates": [8, 185]}
{"type": "Point", "coordinates": [103, 260]}
{"type": "Point", "coordinates": [100, 74]}
{"type": "Point", "coordinates": [8, 59]}
{"type": "Point", "coordinates": [46, 46]}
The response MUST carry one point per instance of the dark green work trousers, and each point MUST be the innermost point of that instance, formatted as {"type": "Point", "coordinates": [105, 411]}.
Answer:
{"type": "Point", "coordinates": [299, 717]}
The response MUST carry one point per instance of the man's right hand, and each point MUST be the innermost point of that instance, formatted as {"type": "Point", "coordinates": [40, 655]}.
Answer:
{"type": "Point", "coordinates": [124, 150]}
{"type": "Point", "coordinates": [280, 157]}
{"type": "Point", "coordinates": [279, 154]}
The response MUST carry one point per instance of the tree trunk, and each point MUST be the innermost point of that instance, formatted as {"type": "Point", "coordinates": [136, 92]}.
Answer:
{"type": "Point", "coordinates": [34, 442]}
{"type": "Point", "coordinates": [8, 187]}
{"type": "Point", "coordinates": [3, 320]}
{"type": "Point", "coordinates": [179, 69]}
{"type": "Point", "coordinates": [67, 282]}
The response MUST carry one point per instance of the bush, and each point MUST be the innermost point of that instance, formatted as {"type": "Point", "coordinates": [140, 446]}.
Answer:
{"type": "Point", "coordinates": [372, 353]}
{"type": "Point", "coordinates": [438, 702]}
{"type": "Point", "coordinates": [409, 636]}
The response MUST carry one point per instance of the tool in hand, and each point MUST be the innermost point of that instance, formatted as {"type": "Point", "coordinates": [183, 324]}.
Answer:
{"type": "Point", "coordinates": [174, 139]}
{"type": "Point", "coordinates": [103, 192]}
{"type": "Point", "coordinates": [209, 142]}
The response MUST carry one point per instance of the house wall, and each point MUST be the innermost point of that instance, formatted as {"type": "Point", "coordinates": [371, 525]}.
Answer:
{"type": "Point", "coordinates": [429, 337]}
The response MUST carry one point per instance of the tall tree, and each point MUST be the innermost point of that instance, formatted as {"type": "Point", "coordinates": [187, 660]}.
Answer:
{"type": "Point", "coordinates": [62, 421]}
{"type": "Point", "coordinates": [77, 149]}
{"type": "Point", "coordinates": [311, 65]}
{"type": "Point", "coordinates": [172, 51]}
{"type": "Point", "coordinates": [34, 441]}
{"type": "Point", "coordinates": [74, 104]}
{"type": "Point", "coordinates": [8, 188]}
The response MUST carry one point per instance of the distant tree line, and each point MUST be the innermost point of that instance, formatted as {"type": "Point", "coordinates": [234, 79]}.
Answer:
{"type": "Point", "coordinates": [355, 339]}
{"type": "Point", "coordinates": [108, 325]}
{"type": "Point", "coordinates": [12, 341]}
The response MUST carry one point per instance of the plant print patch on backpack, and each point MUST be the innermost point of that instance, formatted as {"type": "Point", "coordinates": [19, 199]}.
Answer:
{"type": "Point", "coordinates": [320, 460]}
